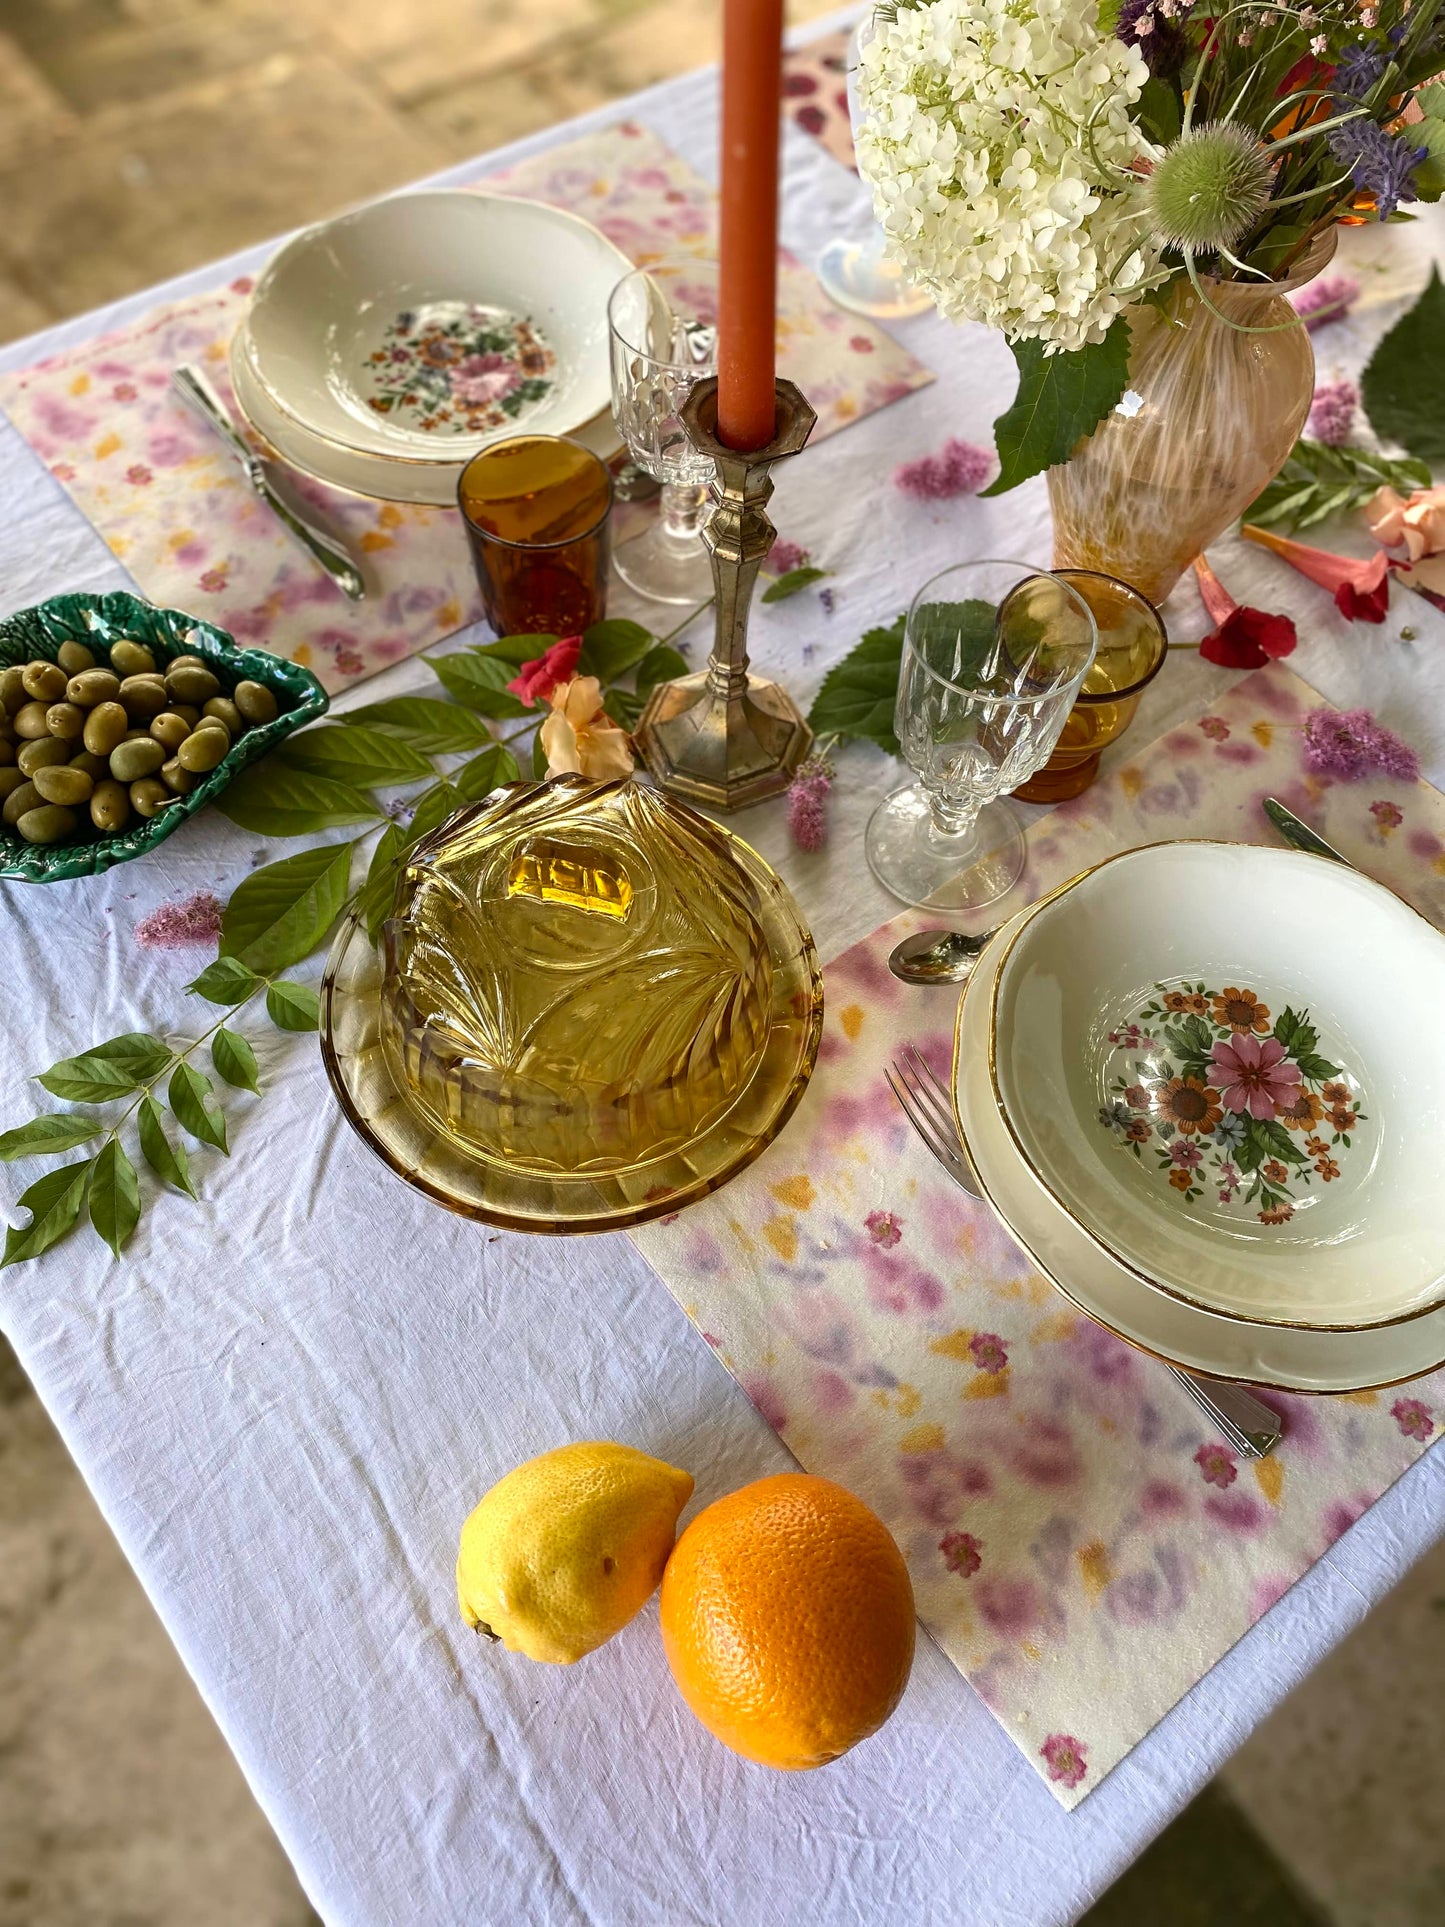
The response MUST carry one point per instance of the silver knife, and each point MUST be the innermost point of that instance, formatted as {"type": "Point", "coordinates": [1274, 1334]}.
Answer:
{"type": "Point", "coordinates": [199, 395]}
{"type": "Point", "coordinates": [1299, 835]}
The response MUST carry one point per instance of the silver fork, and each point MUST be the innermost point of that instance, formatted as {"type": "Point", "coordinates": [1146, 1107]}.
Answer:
{"type": "Point", "coordinates": [1245, 1421]}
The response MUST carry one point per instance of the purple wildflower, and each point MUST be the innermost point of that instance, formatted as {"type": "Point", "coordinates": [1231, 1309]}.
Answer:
{"type": "Point", "coordinates": [1348, 744]}
{"type": "Point", "coordinates": [808, 804]}
{"type": "Point", "coordinates": [1329, 299]}
{"type": "Point", "coordinates": [827, 599]}
{"type": "Point", "coordinates": [1332, 414]}
{"type": "Point", "coordinates": [1359, 68]}
{"type": "Point", "coordinates": [1380, 164]}
{"type": "Point", "coordinates": [959, 468]}
{"type": "Point", "coordinates": [1160, 39]}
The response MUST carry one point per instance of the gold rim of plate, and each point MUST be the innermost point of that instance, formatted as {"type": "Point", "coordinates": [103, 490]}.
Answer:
{"type": "Point", "coordinates": [497, 1194]}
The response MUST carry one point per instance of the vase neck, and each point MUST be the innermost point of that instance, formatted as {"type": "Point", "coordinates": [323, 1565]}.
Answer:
{"type": "Point", "coordinates": [1241, 298]}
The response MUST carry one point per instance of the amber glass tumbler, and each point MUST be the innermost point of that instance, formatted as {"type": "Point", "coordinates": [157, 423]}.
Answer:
{"type": "Point", "coordinates": [1132, 646]}
{"type": "Point", "coordinates": [536, 509]}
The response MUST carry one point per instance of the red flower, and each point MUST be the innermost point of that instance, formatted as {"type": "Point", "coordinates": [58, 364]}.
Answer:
{"type": "Point", "coordinates": [962, 1553]}
{"type": "Point", "coordinates": [535, 681]}
{"type": "Point", "coordinates": [1241, 638]}
{"type": "Point", "coordinates": [1361, 589]}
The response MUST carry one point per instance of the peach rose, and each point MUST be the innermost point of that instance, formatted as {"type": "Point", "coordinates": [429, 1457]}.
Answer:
{"type": "Point", "coordinates": [1417, 525]}
{"type": "Point", "coordinates": [580, 737]}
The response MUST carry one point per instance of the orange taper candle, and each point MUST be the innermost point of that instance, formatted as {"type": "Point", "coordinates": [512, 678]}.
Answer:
{"type": "Point", "coordinates": [748, 251]}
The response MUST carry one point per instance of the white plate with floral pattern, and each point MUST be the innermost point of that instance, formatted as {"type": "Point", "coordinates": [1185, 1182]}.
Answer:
{"type": "Point", "coordinates": [1280, 1356]}
{"type": "Point", "coordinates": [421, 327]}
{"type": "Point", "coordinates": [1227, 1064]}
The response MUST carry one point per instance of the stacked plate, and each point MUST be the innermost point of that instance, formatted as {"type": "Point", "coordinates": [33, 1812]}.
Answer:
{"type": "Point", "coordinates": [381, 350]}
{"type": "Point", "coordinates": [1203, 1085]}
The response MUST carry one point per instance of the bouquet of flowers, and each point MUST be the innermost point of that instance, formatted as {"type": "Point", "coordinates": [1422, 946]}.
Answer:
{"type": "Point", "coordinates": [1044, 165]}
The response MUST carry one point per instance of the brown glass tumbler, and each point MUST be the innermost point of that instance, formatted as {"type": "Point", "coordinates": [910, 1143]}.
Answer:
{"type": "Point", "coordinates": [1131, 652]}
{"type": "Point", "coordinates": [536, 509]}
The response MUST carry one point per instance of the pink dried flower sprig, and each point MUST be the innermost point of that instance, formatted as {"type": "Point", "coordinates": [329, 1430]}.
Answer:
{"type": "Point", "coordinates": [959, 468]}
{"type": "Point", "coordinates": [1329, 299]}
{"type": "Point", "coordinates": [1332, 413]}
{"type": "Point", "coordinates": [1348, 744]}
{"type": "Point", "coordinates": [808, 802]}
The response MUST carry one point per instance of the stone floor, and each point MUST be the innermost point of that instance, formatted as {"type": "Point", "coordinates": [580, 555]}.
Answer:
{"type": "Point", "coordinates": [119, 1803]}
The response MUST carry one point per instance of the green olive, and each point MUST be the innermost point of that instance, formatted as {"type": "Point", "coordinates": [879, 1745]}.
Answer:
{"type": "Point", "coordinates": [186, 662]}
{"type": "Point", "coordinates": [74, 656]}
{"type": "Point", "coordinates": [13, 692]}
{"type": "Point", "coordinates": [170, 729]}
{"type": "Point", "coordinates": [148, 797]}
{"type": "Point", "coordinates": [255, 702]}
{"type": "Point", "coordinates": [65, 720]}
{"type": "Point", "coordinates": [64, 785]}
{"type": "Point", "coordinates": [7, 754]}
{"type": "Point", "coordinates": [41, 753]}
{"type": "Point", "coordinates": [23, 797]}
{"type": "Point", "coordinates": [215, 726]}
{"type": "Point", "coordinates": [176, 777]}
{"type": "Point", "coordinates": [188, 714]}
{"type": "Point", "coordinates": [104, 728]}
{"type": "Point", "coordinates": [30, 723]}
{"type": "Point", "coordinates": [141, 757]}
{"type": "Point", "coordinates": [202, 750]}
{"type": "Point", "coordinates": [45, 681]}
{"type": "Point", "coordinates": [143, 697]}
{"type": "Point", "coordinates": [223, 710]}
{"type": "Point", "coordinates": [94, 766]}
{"type": "Point", "coordinates": [110, 805]}
{"type": "Point", "coordinates": [92, 686]}
{"type": "Point", "coordinates": [7, 728]}
{"type": "Point", "coordinates": [189, 684]}
{"type": "Point", "coordinates": [131, 659]}
{"type": "Point", "coordinates": [11, 779]}
{"type": "Point", "coordinates": [49, 823]}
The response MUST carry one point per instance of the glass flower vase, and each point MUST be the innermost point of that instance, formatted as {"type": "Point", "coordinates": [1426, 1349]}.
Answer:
{"type": "Point", "coordinates": [1210, 414]}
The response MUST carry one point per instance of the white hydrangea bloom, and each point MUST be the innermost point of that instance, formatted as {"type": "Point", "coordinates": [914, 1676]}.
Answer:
{"type": "Point", "coordinates": [995, 137]}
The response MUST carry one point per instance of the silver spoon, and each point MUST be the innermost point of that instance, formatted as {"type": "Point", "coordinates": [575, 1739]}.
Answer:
{"type": "Point", "coordinates": [939, 956]}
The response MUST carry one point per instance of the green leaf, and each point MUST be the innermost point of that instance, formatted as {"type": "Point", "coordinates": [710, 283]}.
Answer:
{"type": "Point", "coordinates": [1315, 1069]}
{"type": "Point", "coordinates": [195, 1109]}
{"type": "Point", "coordinates": [610, 649]}
{"type": "Point", "coordinates": [1318, 481]}
{"type": "Point", "coordinates": [356, 754]}
{"type": "Point", "coordinates": [226, 981]}
{"type": "Point", "coordinates": [661, 664]}
{"type": "Point", "coordinates": [486, 772]}
{"type": "Point", "coordinates": [375, 897]}
{"type": "Point", "coordinates": [1404, 385]}
{"type": "Point", "coordinates": [168, 1161]}
{"type": "Point", "coordinates": [110, 1070]}
{"type": "Point", "coordinates": [539, 758]}
{"type": "Point", "coordinates": [1429, 176]}
{"type": "Point", "coordinates": [54, 1203]}
{"type": "Point", "coordinates": [280, 914]}
{"type": "Point", "coordinates": [44, 1136]}
{"type": "Point", "coordinates": [443, 729]}
{"type": "Point", "coordinates": [1060, 400]}
{"type": "Point", "coordinates": [235, 1060]}
{"type": "Point", "coordinates": [517, 650]}
{"type": "Point", "coordinates": [1295, 1032]}
{"type": "Point", "coordinates": [480, 682]}
{"type": "Point", "coordinates": [859, 694]}
{"type": "Point", "coordinates": [435, 806]}
{"type": "Point", "coordinates": [1159, 111]}
{"type": "Point", "coordinates": [292, 1006]}
{"type": "Point", "coordinates": [114, 1196]}
{"type": "Point", "coordinates": [625, 707]}
{"type": "Point", "coordinates": [791, 582]}
{"type": "Point", "coordinates": [273, 800]}
{"type": "Point", "coordinates": [1272, 1140]}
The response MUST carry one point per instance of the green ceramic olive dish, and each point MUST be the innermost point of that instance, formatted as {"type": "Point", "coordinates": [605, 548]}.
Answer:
{"type": "Point", "coordinates": [100, 620]}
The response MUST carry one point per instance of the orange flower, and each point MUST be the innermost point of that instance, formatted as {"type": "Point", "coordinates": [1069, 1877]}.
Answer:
{"type": "Point", "coordinates": [1183, 1001]}
{"type": "Point", "coordinates": [1336, 1093]}
{"type": "Point", "coordinates": [1302, 1113]}
{"type": "Point", "coordinates": [1189, 1105]}
{"type": "Point", "coordinates": [1343, 1117]}
{"type": "Point", "coordinates": [1240, 1010]}
{"type": "Point", "coordinates": [1327, 1168]}
{"type": "Point", "coordinates": [1277, 1214]}
{"type": "Point", "coordinates": [1316, 1146]}
{"type": "Point", "coordinates": [1181, 1180]}
{"type": "Point", "coordinates": [1275, 1172]}
{"type": "Point", "coordinates": [580, 737]}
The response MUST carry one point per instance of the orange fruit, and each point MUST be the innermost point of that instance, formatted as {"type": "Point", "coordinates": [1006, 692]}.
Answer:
{"type": "Point", "coordinates": [787, 1618]}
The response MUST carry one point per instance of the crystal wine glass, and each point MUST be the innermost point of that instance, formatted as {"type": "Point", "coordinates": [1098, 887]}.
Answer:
{"type": "Point", "coordinates": [663, 326]}
{"type": "Point", "coordinates": [993, 656]}
{"type": "Point", "coordinates": [855, 272]}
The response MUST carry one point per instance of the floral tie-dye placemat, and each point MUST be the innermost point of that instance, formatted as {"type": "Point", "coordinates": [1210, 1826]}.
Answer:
{"type": "Point", "coordinates": [815, 93]}
{"type": "Point", "coordinates": [1082, 1547]}
{"type": "Point", "coordinates": [177, 512]}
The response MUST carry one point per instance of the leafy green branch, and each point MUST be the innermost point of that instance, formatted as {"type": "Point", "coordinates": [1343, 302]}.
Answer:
{"type": "Point", "coordinates": [1318, 481]}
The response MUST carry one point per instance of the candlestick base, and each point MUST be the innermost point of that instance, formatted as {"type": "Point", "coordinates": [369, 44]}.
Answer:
{"type": "Point", "coordinates": [721, 737]}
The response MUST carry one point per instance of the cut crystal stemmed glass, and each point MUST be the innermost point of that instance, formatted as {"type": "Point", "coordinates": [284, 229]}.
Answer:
{"type": "Point", "coordinates": [993, 656]}
{"type": "Point", "coordinates": [662, 321]}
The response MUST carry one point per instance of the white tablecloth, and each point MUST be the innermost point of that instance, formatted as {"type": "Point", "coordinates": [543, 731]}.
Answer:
{"type": "Point", "coordinates": [287, 1399]}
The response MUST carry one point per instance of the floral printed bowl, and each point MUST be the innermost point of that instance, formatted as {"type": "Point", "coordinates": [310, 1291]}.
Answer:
{"type": "Point", "coordinates": [1281, 1356]}
{"type": "Point", "coordinates": [424, 326]}
{"type": "Point", "coordinates": [1227, 1065]}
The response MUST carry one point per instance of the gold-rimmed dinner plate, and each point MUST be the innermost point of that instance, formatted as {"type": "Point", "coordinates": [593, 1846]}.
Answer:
{"type": "Point", "coordinates": [1276, 1356]}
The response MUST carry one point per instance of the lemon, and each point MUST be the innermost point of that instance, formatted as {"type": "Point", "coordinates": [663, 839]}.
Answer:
{"type": "Point", "coordinates": [563, 1551]}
